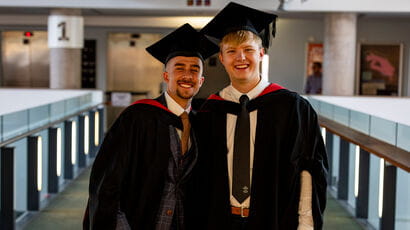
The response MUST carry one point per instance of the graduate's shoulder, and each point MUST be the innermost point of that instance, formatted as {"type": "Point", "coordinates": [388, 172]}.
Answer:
{"type": "Point", "coordinates": [215, 103]}
{"type": "Point", "coordinates": [275, 89]}
{"type": "Point", "coordinates": [147, 108]}
{"type": "Point", "coordinates": [278, 91]}
{"type": "Point", "coordinates": [287, 96]}
{"type": "Point", "coordinates": [299, 100]}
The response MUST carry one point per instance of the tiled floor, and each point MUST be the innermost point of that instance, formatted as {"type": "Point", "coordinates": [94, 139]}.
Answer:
{"type": "Point", "coordinates": [66, 211]}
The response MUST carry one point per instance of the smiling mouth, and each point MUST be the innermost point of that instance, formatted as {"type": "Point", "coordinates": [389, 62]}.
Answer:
{"type": "Point", "coordinates": [185, 85]}
{"type": "Point", "coordinates": [243, 66]}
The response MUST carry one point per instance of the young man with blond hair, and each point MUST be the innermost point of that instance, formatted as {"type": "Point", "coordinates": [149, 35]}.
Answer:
{"type": "Point", "coordinates": [262, 161]}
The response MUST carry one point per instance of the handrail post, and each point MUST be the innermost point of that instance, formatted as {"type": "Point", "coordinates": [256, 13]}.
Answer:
{"type": "Point", "coordinates": [68, 135]}
{"type": "Point", "coordinates": [362, 201]}
{"type": "Point", "coordinates": [92, 134]}
{"type": "Point", "coordinates": [342, 188]}
{"type": "Point", "coordinates": [101, 124]}
{"type": "Point", "coordinates": [33, 195]}
{"type": "Point", "coordinates": [81, 133]}
{"type": "Point", "coordinates": [387, 221]}
{"type": "Point", "coordinates": [52, 159]}
{"type": "Point", "coordinates": [329, 150]}
{"type": "Point", "coordinates": [7, 216]}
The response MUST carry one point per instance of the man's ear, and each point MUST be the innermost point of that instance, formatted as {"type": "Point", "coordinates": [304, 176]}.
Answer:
{"type": "Point", "coordinates": [165, 76]}
{"type": "Point", "coordinates": [201, 81]}
{"type": "Point", "coordinates": [262, 52]}
{"type": "Point", "coordinates": [220, 57]}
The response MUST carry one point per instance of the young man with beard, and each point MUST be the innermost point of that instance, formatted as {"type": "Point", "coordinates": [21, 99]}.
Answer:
{"type": "Point", "coordinates": [262, 161]}
{"type": "Point", "coordinates": [139, 177]}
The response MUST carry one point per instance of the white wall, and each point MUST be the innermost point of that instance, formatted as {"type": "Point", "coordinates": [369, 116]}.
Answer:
{"type": "Point", "coordinates": [348, 5]}
{"type": "Point", "coordinates": [140, 4]}
{"type": "Point", "coordinates": [288, 50]}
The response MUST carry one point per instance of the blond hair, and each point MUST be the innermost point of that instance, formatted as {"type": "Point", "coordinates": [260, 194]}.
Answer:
{"type": "Point", "coordinates": [239, 37]}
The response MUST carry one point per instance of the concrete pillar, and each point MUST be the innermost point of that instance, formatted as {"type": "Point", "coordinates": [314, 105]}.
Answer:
{"type": "Point", "coordinates": [339, 54]}
{"type": "Point", "coordinates": [65, 61]}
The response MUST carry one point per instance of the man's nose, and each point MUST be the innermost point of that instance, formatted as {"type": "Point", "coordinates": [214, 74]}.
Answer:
{"type": "Point", "coordinates": [187, 74]}
{"type": "Point", "coordinates": [240, 55]}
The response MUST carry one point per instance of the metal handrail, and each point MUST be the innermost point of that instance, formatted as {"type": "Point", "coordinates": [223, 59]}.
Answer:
{"type": "Point", "coordinates": [36, 130]}
{"type": "Point", "coordinates": [390, 153]}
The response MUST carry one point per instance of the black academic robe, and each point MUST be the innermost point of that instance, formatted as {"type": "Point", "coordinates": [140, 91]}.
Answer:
{"type": "Point", "coordinates": [131, 167]}
{"type": "Point", "coordinates": [288, 140]}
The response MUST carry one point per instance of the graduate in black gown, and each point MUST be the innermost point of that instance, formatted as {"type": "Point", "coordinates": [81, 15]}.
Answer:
{"type": "Point", "coordinates": [273, 174]}
{"type": "Point", "coordinates": [139, 177]}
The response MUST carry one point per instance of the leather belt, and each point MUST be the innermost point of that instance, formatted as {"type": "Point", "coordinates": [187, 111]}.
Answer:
{"type": "Point", "coordinates": [243, 212]}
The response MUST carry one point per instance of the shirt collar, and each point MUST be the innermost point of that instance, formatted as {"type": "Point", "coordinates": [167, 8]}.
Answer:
{"type": "Point", "coordinates": [232, 94]}
{"type": "Point", "coordinates": [174, 107]}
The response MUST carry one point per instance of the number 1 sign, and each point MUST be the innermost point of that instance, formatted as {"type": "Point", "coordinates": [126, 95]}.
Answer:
{"type": "Point", "coordinates": [65, 31]}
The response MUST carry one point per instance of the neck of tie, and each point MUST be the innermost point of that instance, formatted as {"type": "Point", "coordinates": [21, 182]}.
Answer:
{"type": "Point", "coordinates": [241, 170]}
{"type": "Point", "coordinates": [185, 132]}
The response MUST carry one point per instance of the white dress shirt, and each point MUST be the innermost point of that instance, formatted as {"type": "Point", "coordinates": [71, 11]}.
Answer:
{"type": "Point", "coordinates": [231, 94]}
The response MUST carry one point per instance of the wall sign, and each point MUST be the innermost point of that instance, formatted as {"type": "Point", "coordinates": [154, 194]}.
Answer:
{"type": "Point", "coordinates": [65, 31]}
{"type": "Point", "coordinates": [380, 69]}
{"type": "Point", "coordinates": [198, 2]}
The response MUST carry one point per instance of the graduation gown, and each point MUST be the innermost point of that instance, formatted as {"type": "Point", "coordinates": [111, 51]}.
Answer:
{"type": "Point", "coordinates": [288, 140]}
{"type": "Point", "coordinates": [131, 167]}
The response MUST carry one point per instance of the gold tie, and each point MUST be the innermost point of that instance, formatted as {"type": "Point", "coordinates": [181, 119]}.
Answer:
{"type": "Point", "coordinates": [185, 132]}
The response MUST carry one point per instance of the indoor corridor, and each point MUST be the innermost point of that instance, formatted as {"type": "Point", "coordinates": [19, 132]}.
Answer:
{"type": "Point", "coordinates": [66, 210]}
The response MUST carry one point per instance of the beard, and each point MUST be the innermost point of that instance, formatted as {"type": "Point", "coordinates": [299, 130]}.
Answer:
{"type": "Point", "coordinates": [184, 95]}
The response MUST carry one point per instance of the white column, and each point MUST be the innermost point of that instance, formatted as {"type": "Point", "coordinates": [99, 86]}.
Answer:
{"type": "Point", "coordinates": [65, 29]}
{"type": "Point", "coordinates": [339, 54]}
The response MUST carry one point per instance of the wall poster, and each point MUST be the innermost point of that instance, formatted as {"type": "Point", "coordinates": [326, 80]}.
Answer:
{"type": "Point", "coordinates": [380, 69]}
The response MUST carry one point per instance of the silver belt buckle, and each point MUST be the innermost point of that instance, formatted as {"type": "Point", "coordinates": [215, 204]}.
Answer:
{"type": "Point", "coordinates": [242, 212]}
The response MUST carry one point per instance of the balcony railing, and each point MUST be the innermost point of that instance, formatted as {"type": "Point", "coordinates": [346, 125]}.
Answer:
{"type": "Point", "coordinates": [368, 147]}
{"type": "Point", "coordinates": [44, 145]}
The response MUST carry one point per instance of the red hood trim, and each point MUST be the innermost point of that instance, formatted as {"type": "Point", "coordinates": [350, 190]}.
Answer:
{"type": "Point", "coordinates": [271, 88]}
{"type": "Point", "coordinates": [153, 103]}
{"type": "Point", "coordinates": [215, 97]}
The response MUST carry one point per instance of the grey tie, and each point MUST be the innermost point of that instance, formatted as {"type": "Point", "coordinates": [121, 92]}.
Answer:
{"type": "Point", "coordinates": [241, 152]}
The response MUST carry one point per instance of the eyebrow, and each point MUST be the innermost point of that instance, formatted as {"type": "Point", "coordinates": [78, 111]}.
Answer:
{"type": "Point", "coordinates": [183, 65]}
{"type": "Point", "coordinates": [229, 47]}
{"type": "Point", "coordinates": [180, 64]}
{"type": "Point", "coordinates": [235, 47]}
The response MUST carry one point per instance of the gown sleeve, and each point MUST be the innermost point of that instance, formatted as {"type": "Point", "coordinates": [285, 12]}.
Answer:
{"type": "Point", "coordinates": [312, 157]}
{"type": "Point", "coordinates": [107, 174]}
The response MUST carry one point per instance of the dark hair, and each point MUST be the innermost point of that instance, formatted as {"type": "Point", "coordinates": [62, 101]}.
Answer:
{"type": "Point", "coordinates": [318, 64]}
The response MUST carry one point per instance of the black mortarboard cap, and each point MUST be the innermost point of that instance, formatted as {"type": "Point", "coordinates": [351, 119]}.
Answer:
{"type": "Point", "coordinates": [184, 41]}
{"type": "Point", "coordinates": [236, 17]}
